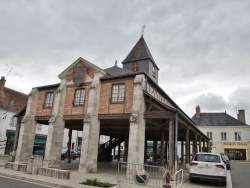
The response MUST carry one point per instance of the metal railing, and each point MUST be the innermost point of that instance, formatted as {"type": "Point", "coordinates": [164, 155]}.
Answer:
{"type": "Point", "coordinates": [140, 174]}
{"type": "Point", "coordinates": [2, 144]}
{"type": "Point", "coordinates": [178, 179]}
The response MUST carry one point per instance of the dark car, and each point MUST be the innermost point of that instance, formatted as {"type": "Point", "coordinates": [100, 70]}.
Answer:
{"type": "Point", "coordinates": [79, 153]}
{"type": "Point", "coordinates": [226, 160]}
{"type": "Point", "coordinates": [121, 154]}
{"type": "Point", "coordinates": [73, 154]}
{"type": "Point", "coordinates": [38, 150]}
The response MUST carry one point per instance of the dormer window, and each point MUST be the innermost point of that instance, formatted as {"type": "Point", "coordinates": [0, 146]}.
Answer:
{"type": "Point", "coordinates": [135, 66]}
{"type": "Point", "coordinates": [153, 71]}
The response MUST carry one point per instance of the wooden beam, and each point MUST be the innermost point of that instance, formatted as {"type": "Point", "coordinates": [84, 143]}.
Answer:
{"type": "Point", "coordinates": [158, 115]}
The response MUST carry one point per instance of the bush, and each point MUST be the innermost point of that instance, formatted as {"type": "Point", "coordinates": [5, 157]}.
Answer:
{"type": "Point", "coordinates": [97, 183]}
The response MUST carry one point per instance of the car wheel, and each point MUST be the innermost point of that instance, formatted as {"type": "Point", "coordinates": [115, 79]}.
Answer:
{"type": "Point", "coordinates": [62, 157]}
{"type": "Point", "coordinates": [74, 158]}
{"type": "Point", "coordinates": [192, 180]}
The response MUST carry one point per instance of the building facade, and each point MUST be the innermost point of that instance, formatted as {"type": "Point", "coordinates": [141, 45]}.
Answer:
{"type": "Point", "coordinates": [228, 135]}
{"type": "Point", "coordinates": [11, 102]}
{"type": "Point", "coordinates": [126, 104]}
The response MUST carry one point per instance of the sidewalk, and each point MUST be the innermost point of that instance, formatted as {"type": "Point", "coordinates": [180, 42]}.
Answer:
{"type": "Point", "coordinates": [106, 173]}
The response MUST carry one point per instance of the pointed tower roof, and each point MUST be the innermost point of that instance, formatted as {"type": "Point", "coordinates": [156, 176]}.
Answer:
{"type": "Point", "coordinates": [139, 52]}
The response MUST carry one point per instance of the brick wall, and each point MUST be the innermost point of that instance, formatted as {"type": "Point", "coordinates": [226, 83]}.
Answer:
{"type": "Point", "coordinates": [106, 107]}
{"type": "Point", "coordinates": [40, 110]}
{"type": "Point", "coordinates": [69, 108]}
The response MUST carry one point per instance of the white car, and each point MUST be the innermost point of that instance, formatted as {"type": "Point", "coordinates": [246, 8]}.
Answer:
{"type": "Point", "coordinates": [208, 166]}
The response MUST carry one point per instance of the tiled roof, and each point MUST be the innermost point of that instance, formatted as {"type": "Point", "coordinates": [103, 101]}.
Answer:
{"type": "Point", "coordinates": [19, 100]}
{"type": "Point", "coordinates": [216, 119]}
{"type": "Point", "coordinates": [139, 52]}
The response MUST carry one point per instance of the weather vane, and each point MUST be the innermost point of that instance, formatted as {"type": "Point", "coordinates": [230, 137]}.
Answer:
{"type": "Point", "coordinates": [142, 29]}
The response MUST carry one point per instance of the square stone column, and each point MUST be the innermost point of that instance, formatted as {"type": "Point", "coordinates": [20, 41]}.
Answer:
{"type": "Point", "coordinates": [91, 129]}
{"type": "Point", "coordinates": [137, 123]}
{"type": "Point", "coordinates": [27, 130]}
{"type": "Point", "coordinates": [56, 129]}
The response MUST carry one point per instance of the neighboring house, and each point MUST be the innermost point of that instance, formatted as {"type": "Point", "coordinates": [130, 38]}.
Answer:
{"type": "Point", "coordinates": [228, 135]}
{"type": "Point", "coordinates": [11, 102]}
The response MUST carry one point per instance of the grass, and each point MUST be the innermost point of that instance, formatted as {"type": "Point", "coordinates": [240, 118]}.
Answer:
{"type": "Point", "coordinates": [97, 183]}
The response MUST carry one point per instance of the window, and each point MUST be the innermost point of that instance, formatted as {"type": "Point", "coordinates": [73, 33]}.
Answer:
{"type": "Point", "coordinates": [153, 71]}
{"type": "Point", "coordinates": [118, 93]}
{"type": "Point", "coordinates": [135, 67]}
{"type": "Point", "coordinates": [223, 136]}
{"type": "Point", "coordinates": [49, 97]}
{"type": "Point", "coordinates": [210, 135]}
{"type": "Point", "coordinates": [79, 97]}
{"type": "Point", "coordinates": [237, 136]}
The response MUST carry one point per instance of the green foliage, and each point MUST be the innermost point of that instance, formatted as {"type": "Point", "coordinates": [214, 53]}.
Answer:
{"type": "Point", "coordinates": [97, 183]}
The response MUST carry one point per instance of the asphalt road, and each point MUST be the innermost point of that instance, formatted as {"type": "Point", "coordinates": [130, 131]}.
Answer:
{"type": "Point", "coordinates": [240, 174]}
{"type": "Point", "coordinates": [9, 182]}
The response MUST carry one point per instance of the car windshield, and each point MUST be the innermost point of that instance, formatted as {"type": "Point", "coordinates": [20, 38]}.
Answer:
{"type": "Point", "coordinates": [207, 158]}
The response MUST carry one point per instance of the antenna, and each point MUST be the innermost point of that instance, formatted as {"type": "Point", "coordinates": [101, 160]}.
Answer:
{"type": "Point", "coordinates": [142, 29]}
{"type": "Point", "coordinates": [13, 71]}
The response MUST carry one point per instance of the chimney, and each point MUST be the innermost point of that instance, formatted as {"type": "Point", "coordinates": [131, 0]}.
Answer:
{"type": "Point", "coordinates": [2, 84]}
{"type": "Point", "coordinates": [198, 112]}
{"type": "Point", "coordinates": [241, 116]}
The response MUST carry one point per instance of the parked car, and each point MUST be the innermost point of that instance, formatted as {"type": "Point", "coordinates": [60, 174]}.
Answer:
{"type": "Point", "coordinates": [121, 154]}
{"type": "Point", "coordinates": [38, 150]}
{"type": "Point", "coordinates": [226, 160]}
{"type": "Point", "coordinates": [73, 154]}
{"type": "Point", "coordinates": [208, 166]}
{"type": "Point", "coordinates": [79, 152]}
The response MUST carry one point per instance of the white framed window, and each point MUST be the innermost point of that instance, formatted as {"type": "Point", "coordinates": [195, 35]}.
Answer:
{"type": "Point", "coordinates": [48, 101]}
{"type": "Point", "coordinates": [79, 97]}
{"type": "Point", "coordinates": [210, 135]}
{"type": "Point", "coordinates": [237, 136]}
{"type": "Point", "coordinates": [223, 136]}
{"type": "Point", "coordinates": [118, 93]}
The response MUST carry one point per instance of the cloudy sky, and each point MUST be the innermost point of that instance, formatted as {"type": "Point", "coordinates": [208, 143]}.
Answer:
{"type": "Point", "coordinates": [201, 47]}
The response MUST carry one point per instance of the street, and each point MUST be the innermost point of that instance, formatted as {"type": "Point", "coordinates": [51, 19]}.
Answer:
{"type": "Point", "coordinates": [240, 174]}
{"type": "Point", "coordinates": [9, 182]}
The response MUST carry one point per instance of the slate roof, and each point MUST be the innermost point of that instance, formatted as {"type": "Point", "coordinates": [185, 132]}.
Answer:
{"type": "Point", "coordinates": [216, 119]}
{"type": "Point", "coordinates": [115, 71]}
{"type": "Point", "coordinates": [139, 52]}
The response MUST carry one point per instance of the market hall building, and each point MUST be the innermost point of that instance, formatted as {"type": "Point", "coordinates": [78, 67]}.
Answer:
{"type": "Point", "coordinates": [126, 104]}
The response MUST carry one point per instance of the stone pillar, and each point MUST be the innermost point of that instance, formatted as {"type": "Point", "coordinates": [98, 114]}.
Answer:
{"type": "Point", "coordinates": [187, 152]}
{"type": "Point", "coordinates": [27, 130]}
{"type": "Point", "coordinates": [171, 148]}
{"type": "Point", "coordinates": [54, 142]}
{"type": "Point", "coordinates": [91, 129]}
{"type": "Point", "coordinates": [137, 123]}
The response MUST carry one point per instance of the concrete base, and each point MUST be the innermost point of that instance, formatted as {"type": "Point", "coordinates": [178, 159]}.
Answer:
{"type": "Point", "coordinates": [16, 166]}
{"type": "Point", "coordinates": [55, 173]}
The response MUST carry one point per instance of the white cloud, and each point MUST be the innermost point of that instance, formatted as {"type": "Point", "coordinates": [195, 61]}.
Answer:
{"type": "Point", "coordinates": [201, 47]}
